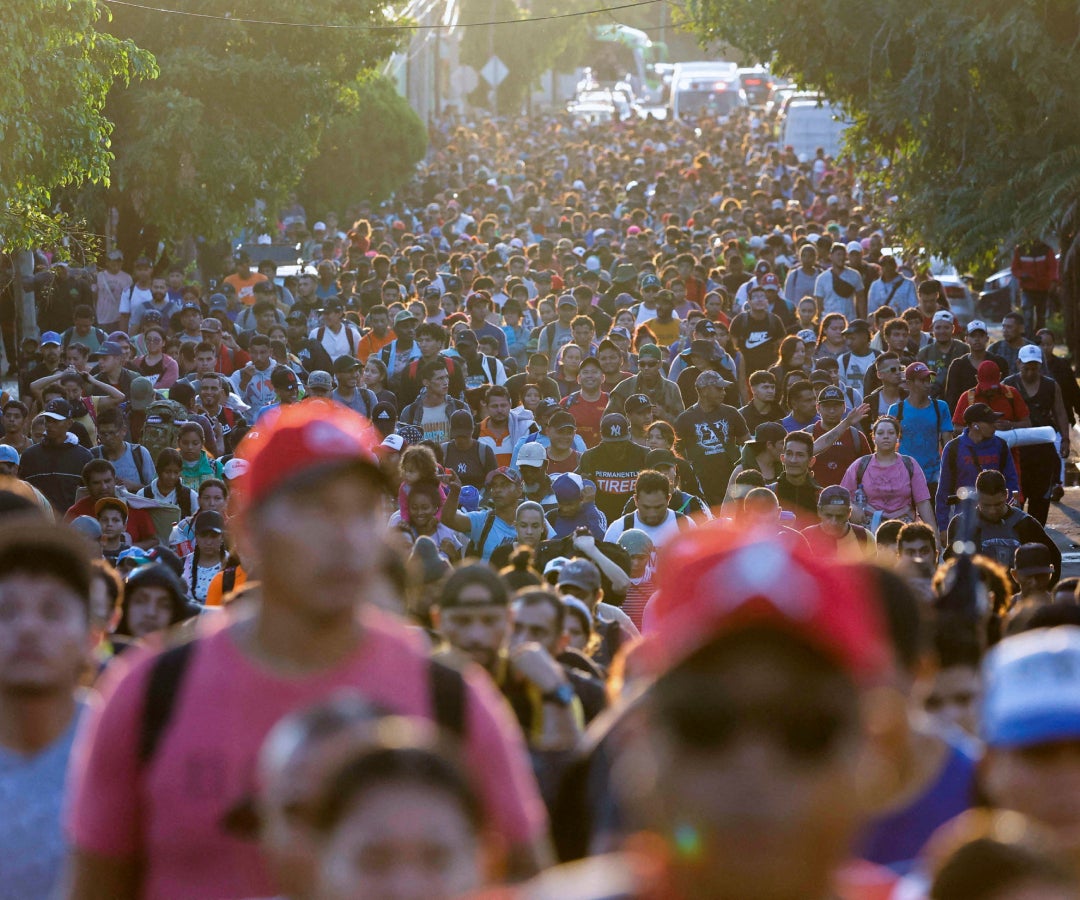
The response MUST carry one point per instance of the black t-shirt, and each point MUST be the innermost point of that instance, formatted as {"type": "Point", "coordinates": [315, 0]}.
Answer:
{"type": "Point", "coordinates": [753, 418]}
{"type": "Point", "coordinates": [614, 467]}
{"type": "Point", "coordinates": [758, 339]}
{"type": "Point", "coordinates": [472, 465]}
{"type": "Point", "coordinates": [712, 441]}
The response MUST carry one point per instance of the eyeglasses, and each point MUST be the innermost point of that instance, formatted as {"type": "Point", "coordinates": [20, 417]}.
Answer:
{"type": "Point", "coordinates": [648, 364]}
{"type": "Point", "coordinates": [892, 370]}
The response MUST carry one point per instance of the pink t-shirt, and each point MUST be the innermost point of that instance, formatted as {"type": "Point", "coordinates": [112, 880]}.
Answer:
{"type": "Point", "coordinates": [205, 761]}
{"type": "Point", "coordinates": [888, 488]}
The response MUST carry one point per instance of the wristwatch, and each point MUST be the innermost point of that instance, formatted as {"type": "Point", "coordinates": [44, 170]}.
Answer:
{"type": "Point", "coordinates": [563, 695]}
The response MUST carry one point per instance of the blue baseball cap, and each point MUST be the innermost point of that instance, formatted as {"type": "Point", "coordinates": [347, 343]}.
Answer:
{"type": "Point", "coordinates": [469, 498]}
{"type": "Point", "coordinates": [50, 337]}
{"type": "Point", "coordinates": [8, 454]}
{"type": "Point", "coordinates": [1032, 688]}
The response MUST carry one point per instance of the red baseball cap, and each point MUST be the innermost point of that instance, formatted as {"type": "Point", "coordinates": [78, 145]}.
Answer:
{"type": "Point", "coordinates": [770, 281]}
{"type": "Point", "coordinates": [715, 581]}
{"type": "Point", "coordinates": [297, 440]}
{"type": "Point", "coordinates": [917, 370]}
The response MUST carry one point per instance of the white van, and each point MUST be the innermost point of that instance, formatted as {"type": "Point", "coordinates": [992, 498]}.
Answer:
{"type": "Point", "coordinates": [811, 122]}
{"type": "Point", "coordinates": [705, 88]}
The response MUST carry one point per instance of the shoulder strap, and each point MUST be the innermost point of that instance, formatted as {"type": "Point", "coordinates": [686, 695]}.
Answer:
{"type": "Point", "coordinates": [319, 334]}
{"type": "Point", "coordinates": [228, 581]}
{"type": "Point", "coordinates": [166, 675]}
{"type": "Point", "coordinates": [489, 363]}
{"type": "Point", "coordinates": [448, 696]}
{"type": "Point", "coordinates": [489, 523]}
{"type": "Point", "coordinates": [140, 456]}
{"type": "Point", "coordinates": [900, 411]}
{"type": "Point", "coordinates": [864, 464]}
{"type": "Point", "coordinates": [351, 338]}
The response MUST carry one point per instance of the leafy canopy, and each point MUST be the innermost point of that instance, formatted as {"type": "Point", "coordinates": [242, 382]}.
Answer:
{"type": "Point", "coordinates": [972, 104]}
{"type": "Point", "coordinates": [58, 70]}
{"type": "Point", "coordinates": [239, 110]}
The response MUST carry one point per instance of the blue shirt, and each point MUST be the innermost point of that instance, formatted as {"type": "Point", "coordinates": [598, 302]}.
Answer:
{"type": "Point", "coordinates": [920, 431]}
{"type": "Point", "coordinates": [791, 424]}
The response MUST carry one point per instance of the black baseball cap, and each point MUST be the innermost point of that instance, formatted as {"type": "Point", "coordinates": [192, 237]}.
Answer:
{"type": "Point", "coordinates": [980, 412]}
{"type": "Point", "coordinates": [766, 433]}
{"type": "Point", "coordinates": [831, 394]}
{"type": "Point", "coordinates": [857, 325]}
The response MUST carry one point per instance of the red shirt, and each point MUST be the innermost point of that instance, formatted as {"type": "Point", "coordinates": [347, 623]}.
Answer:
{"type": "Point", "coordinates": [559, 466]}
{"type": "Point", "coordinates": [587, 414]}
{"type": "Point", "coordinates": [140, 525]}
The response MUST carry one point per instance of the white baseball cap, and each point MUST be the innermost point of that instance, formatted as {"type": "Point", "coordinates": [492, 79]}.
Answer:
{"type": "Point", "coordinates": [977, 325]}
{"type": "Point", "coordinates": [1030, 353]}
{"type": "Point", "coordinates": [532, 454]}
{"type": "Point", "coordinates": [943, 315]}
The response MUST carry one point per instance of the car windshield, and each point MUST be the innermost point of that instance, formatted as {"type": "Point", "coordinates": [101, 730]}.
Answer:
{"type": "Point", "coordinates": [712, 102]}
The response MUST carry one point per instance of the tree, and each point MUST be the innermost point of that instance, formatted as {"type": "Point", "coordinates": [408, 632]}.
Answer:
{"type": "Point", "coordinates": [972, 104]}
{"type": "Point", "coordinates": [58, 70]}
{"type": "Point", "coordinates": [367, 152]}
{"type": "Point", "coordinates": [528, 48]}
{"type": "Point", "coordinates": [238, 111]}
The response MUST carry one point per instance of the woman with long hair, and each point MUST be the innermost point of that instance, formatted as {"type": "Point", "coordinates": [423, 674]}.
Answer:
{"type": "Point", "coordinates": [831, 341]}
{"type": "Point", "coordinates": [376, 379]}
{"type": "Point", "coordinates": [156, 364]}
{"type": "Point", "coordinates": [209, 556]}
{"type": "Point", "coordinates": [886, 484]}
{"type": "Point", "coordinates": [791, 356]}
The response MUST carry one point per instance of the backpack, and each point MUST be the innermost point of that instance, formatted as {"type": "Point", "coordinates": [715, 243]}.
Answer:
{"type": "Point", "coordinates": [952, 451]}
{"type": "Point", "coordinates": [681, 520]}
{"type": "Point", "coordinates": [138, 453]}
{"type": "Point", "coordinates": [447, 685]}
{"type": "Point", "coordinates": [183, 499]}
{"type": "Point", "coordinates": [937, 414]}
{"type": "Point", "coordinates": [162, 426]}
{"type": "Point", "coordinates": [348, 334]}
{"type": "Point", "coordinates": [864, 464]}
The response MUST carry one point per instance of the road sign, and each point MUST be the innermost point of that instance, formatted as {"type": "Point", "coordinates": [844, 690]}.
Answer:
{"type": "Point", "coordinates": [464, 80]}
{"type": "Point", "coordinates": [494, 71]}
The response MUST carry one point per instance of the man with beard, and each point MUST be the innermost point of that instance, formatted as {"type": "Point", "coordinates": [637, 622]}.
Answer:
{"type": "Point", "coordinates": [312, 354]}
{"type": "Point", "coordinates": [663, 394]}
{"type": "Point", "coordinates": [613, 465]}
{"type": "Point", "coordinates": [711, 434]}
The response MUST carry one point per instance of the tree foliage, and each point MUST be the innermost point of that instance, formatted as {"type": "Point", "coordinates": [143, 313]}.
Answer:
{"type": "Point", "coordinates": [528, 49]}
{"type": "Point", "coordinates": [58, 70]}
{"type": "Point", "coordinates": [973, 104]}
{"type": "Point", "coordinates": [368, 151]}
{"type": "Point", "coordinates": [239, 109]}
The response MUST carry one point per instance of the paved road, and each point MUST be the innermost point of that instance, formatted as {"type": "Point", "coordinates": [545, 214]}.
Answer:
{"type": "Point", "coordinates": [1063, 524]}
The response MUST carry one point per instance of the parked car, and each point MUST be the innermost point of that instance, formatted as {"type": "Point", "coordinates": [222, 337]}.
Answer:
{"type": "Point", "coordinates": [998, 295]}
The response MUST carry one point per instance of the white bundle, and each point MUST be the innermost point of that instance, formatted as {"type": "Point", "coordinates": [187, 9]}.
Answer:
{"type": "Point", "coordinates": [1026, 437]}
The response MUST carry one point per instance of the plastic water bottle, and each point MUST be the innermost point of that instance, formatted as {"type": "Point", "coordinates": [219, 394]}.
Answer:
{"type": "Point", "coordinates": [860, 498]}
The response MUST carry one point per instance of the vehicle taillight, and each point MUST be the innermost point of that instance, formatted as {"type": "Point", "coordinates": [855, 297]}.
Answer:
{"type": "Point", "coordinates": [753, 82]}
{"type": "Point", "coordinates": [954, 291]}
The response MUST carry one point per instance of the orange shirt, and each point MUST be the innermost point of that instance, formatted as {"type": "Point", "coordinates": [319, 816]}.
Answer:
{"type": "Point", "coordinates": [245, 287]}
{"type": "Point", "coordinates": [370, 344]}
{"type": "Point", "coordinates": [215, 591]}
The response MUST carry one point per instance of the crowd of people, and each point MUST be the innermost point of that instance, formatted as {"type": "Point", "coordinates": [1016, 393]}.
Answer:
{"type": "Point", "coordinates": [612, 514]}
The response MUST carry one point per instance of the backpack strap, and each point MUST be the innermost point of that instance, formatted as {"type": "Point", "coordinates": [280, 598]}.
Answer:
{"type": "Point", "coordinates": [228, 581]}
{"type": "Point", "coordinates": [489, 523]}
{"type": "Point", "coordinates": [628, 522]}
{"type": "Point", "coordinates": [864, 464]}
{"type": "Point", "coordinates": [448, 697]}
{"type": "Point", "coordinates": [166, 675]}
{"type": "Point", "coordinates": [900, 411]}
{"type": "Point", "coordinates": [140, 456]}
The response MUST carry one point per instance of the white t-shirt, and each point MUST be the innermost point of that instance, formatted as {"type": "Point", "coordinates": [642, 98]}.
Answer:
{"type": "Point", "coordinates": [133, 298]}
{"type": "Point", "coordinates": [660, 534]}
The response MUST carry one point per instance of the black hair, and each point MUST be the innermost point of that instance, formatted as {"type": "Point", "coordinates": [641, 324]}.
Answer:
{"type": "Point", "coordinates": [901, 612]}
{"type": "Point", "coordinates": [31, 547]}
{"type": "Point", "coordinates": [986, 868]}
{"type": "Point", "coordinates": [474, 573]}
{"type": "Point", "coordinates": [155, 575]}
{"type": "Point", "coordinates": [94, 466]}
{"type": "Point", "coordinates": [650, 481]}
{"type": "Point", "coordinates": [542, 597]}
{"type": "Point", "coordinates": [990, 481]}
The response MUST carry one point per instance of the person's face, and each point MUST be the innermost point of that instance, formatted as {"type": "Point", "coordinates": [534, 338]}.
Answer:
{"type": "Point", "coordinates": [155, 343]}
{"type": "Point", "coordinates": [610, 360]}
{"type": "Point", "coordinates": [652, 508]}
{"type": "Point", "coordinates": [808, 256]}
{"type": "Point", "coordinates": [190, 446]}
{"type": "Point", "coordinates": [531, 397]}
{"type": "Point", "coordinates": [977, 340]}
{"type": "Point", "coordinates": [316, 546]}
{"type": "Point", "coordinates": [421, 510]}
{"type": "Point", "coordinates": [529, 525]}
{"type": "Point", "coordinates": [764, 392]}
{"type": "Point", "coordinates": [714, 305]}
{"type": "Point", "coordinates": [992, 507]}
{"type": "Point", "coordinates": [759, 301]}
{"type": "Point", "coordinates": [168, 478]}
{"type": "Point", "coordinates": [44, 635]}
{"type": "Point", "coordinates": [50, 355]}
{"type": "Point", "coordinates": [796, 458]}
{"type": "Point", "coordinates": [655, 440]}
{"type": "Point", "coordinates": [1011, 329]}
{"type": "Point", "coordinates": [205, 363]}
{"type": "Point", "coordinates": [535, 624]}
{"type": "Point", "coordinates": [942, 331]}
{"type": "Point", "coordinates": [72, 388]}
{"type": "Point", "coordinates": [402, 841]}
{"type": "Point", "coordinates": [625, 319]}
{"type": "Point", "coordinates": [158, 287]}
{"type": "Point", "coordinates": [479, 310]}
{"type": "Point", "coordinates": [834, 519]}
{"type": "Point", "coordinates": [838, 257]}
{"type": "Point", "coordinates": [772, 809]}
{"type": "Point", "coordinates": [1042, 782]}
{"type": "Point", "coordinates": [212, 498]}
{"type": "Point", "coordinates": [260, 356]}
{"type": "Point", "coordinates": [918, 550]}
{"type": "Point", "coordinates": [649, 369]}
{"type": "Point", "coordinates": [438, 384]}
{"type": "Point", "coordinates": [711, 396]}
{"type": "Point", "coordinates": [583, 334]}
{"type": "Point", "coordinates": [503, 493]}
{"type": "Point", "coordinates": [101, 484]}
{"type": "Point", "coordinates": [831, 412]}
{"type": "Point", "coordinates": [890, 372]}
{"type": "Point", "coordinates": [406, 330]}
{"type": "Point", "coordinates": [919, 387]}
{"type": "Point", "coordinates": [898, 338]}
{"type": "Point", "coordinates": [498, 410]}
{"type": "Point", "coordinates": [885, 436]}
{"type": "Point", "coordinates": [574, 632]}
{"type": "Point", "coordinates": [111, 522]}
{"type": "Point", "coordinates": [1046, 342]}
{"type": "Point", "coordinates": [149, 609]}
{"type": "Point", "coordinates": [209, 542]}
{"type": "Point", "coordinates": [210, 393]}
{"type": "Point", "coordinates": [858, 341]}
{"type": "Point", "coordinates": [1030, 371]}
{"type": "Point", "coordinates": [803, 405]}
{"type": "Point", "coordinates": [590, 378]}
{"type": "Point", "coordinates": [14, 420]}
{"type": "Point", "coordinates": [562, 439]}
{"type": "Point", "coordinates": [265, 320]}
{"type": "Point", "coordinates": [475, 626]}
{"type": "Point", "coordinates": [429, 345]}
{"type": "Point", "coordinates": [56, 430]}
{"type": "Point", "coordinates": [112, 437]}
{"type": "Point", "coordinates": [571, 358]}
{"type": "Point", "coordinates": [109, 364]}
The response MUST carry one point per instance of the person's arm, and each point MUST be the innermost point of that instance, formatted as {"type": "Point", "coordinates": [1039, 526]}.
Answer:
{"type": "Point", "coordinates": [450, 516]}
{"type": "Point", "coordinates": [561, 724]}
{"type": "Point", "coordinates": [830, 437]}
{"type": "Point", "coordinates": [944, 491]}
{"type": "Point", "coordinates": [586, 545]}
{"type": "Point", "coordinates": [107, 389]}
{"type": "Point", "coordinates": [1062, 419]}
{"type": "Point", "coordinates": [926, 513]}
{"type": "Point", "coordinates": [37, 386]}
